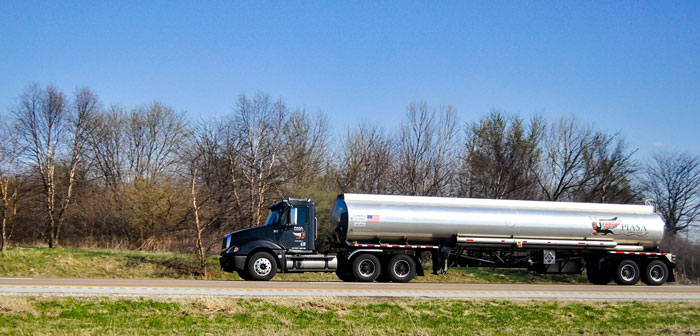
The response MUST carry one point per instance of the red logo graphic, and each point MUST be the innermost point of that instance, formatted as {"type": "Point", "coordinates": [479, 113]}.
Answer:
{"type": "Point", "coordinates": [604, 227]}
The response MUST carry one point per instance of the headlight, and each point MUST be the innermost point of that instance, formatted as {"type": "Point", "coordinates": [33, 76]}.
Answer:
{"type": "Point", "coordinates": [227, 242]}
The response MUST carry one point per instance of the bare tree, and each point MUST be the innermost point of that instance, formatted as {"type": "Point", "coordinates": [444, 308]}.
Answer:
{"type": "Point", "coordinates": [154, 135]}
{"type": "Point", "coordinates": [41, 116]}
{"type": "Point", "coordinates": [304, 155]}
{"type": "Point", "coordinates": [210, 188]}
{"type": "Point", "coordinates": [365, 162]}
{"type": "Point", "coordinates": [500, 158]}
{"type": "Point", "coordinates": [672, 180]}
{"type": "Point", "coordinates": [611, 169]}
{"type": "Point", "coordinates": [136, 156]}
{"type": "Point", "coordinates": [81, 118]}
{"type": "Point", "coordinates": [426, 148]}
{"type": "Point", "coordinates": [259, 124]}
{"type": "Point", "coordinates": [445, 157]}
{"type": "Point", "coordinates": [232, 146]}
{"type": "Point", "coordinates": [9, 188]}
{"type": "Point", "coordinates": [50, 127]}
{"type": "Point", "coordinates": [107, 146]}
{"type": "Point", "coordinates": [563, 168]}
{"type": "Point", "coordinates": [198, 226]}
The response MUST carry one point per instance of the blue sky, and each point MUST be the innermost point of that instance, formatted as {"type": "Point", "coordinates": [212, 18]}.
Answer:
{"type": "Point", "coordinates": [626, 66]}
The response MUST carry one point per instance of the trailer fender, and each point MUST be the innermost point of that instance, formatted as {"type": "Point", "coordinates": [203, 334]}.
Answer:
{"type": "Point", "coordinates": [354, 252]}
{"type": "Point", "coordinates": [671, 258]}
{"type": "Point", "coordinates": [671, 264]}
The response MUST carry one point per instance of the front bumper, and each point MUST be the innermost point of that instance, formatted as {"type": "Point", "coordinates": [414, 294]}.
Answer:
{"type": "Point", "coordinates": [231, 262]}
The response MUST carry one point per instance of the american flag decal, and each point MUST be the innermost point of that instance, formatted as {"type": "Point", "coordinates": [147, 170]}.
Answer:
{"type": "Point", "coordinates": [372, 218]}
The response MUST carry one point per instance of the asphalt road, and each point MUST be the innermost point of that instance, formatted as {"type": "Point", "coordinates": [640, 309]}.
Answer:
{"type": "Point", "coordinates": [130, 287]}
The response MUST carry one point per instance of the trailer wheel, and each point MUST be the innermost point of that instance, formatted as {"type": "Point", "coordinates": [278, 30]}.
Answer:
{"type": "Point", "coordinates": [383, 277]}
{"type": "Point", "coordinates": [598, 277]}
{"type": "Point", "coordinates": [261, 266]}
{"type": "Point", "coordinates": [627, 273]}
{"type": "Point", "coordinates": [401, 268]}
{"type": "Point", "coordinates": [366, 267]}
{"type": "Point", "coordinates": [656, 273]}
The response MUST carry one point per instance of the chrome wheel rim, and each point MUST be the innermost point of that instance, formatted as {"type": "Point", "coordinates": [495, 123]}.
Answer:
{"type": "Point", "coordinates": [367, 268]}
{"type": "Point", "coordinates": [402, 268]}
{"type": "Point", "coordinates": [656, 273]}
{"type": "Point", "coordinates": [628, 273]}
{"type": "Point", "coordinates": [262, 266]}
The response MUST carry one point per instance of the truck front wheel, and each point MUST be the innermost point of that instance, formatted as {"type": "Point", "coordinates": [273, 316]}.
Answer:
{"type": "Point", "coordinates": [401, 268]}
{"type": "Point", "coordinates": [656, 273]}
{"type": "Point", "coordinates": [366, 268]}
{"type": "Point", "coordinates": [261, 266]}
{"type": "Point", "coordinates": [627, 273]}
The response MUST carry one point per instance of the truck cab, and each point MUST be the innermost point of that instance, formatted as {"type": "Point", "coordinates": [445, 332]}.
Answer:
{"type": "Point", "coordinates": [286, 242]}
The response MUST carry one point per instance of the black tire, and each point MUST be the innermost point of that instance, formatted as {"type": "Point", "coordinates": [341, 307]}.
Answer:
{"type": "Point", "coordinates": [598, 277]}
{"type": "Point", "coordinates": [401, 268]}
{"type": "Point", "coordinates": [345, 276]}
{"type": "Point", "coordinates": [383, 277]}
{"type": "Point", "coordinates": [627, 273]}
{"type": "Point", "coordinates": [344, 273]}
{"type": "Point", "coordinates": [656, 273]}
{"type": "Point", "coordinates": [244, 275]}
{"type": "Point", "coordinates": [261, 266]}
{"type": "Point", "coordinates": [366, 267]}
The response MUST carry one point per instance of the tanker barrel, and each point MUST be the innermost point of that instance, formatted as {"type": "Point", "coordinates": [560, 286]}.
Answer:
{"type": "Point", "coordinates": [440, 220]}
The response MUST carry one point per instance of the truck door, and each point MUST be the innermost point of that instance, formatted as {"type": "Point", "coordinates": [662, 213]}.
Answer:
{"type": "Point", "coordinates": [295, 234]}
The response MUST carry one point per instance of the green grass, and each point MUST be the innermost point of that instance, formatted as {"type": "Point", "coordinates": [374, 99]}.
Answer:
{"type": "Point", "coordinates": [333, 316]}
{"type": "Point", "coordinates": [84, 263]}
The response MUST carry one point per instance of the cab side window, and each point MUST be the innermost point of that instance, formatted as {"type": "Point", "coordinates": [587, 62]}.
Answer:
{"type": "Point", "coordinates": [301, 214]}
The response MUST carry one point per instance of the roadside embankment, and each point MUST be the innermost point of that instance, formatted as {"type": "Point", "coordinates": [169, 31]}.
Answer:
{"type": "Point", "coordinates": [88, 263]}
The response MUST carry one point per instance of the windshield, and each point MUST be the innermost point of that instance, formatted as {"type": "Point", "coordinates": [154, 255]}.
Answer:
{"type": "Point", "coordinates": [273, 218]}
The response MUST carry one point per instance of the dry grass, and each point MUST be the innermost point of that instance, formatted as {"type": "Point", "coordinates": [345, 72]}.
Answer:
{"type": "Point", "coordinates": [16, 306]}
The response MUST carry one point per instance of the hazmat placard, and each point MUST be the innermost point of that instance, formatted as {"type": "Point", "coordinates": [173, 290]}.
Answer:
{"type": "Point", "coordinates": [550, 257]}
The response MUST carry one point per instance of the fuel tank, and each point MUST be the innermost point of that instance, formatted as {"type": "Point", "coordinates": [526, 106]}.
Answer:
{"type": "Point", "coordinates": [439, 220]}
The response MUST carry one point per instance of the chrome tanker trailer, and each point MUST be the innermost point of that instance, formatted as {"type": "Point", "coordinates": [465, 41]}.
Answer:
{"type": "Point", "coordinates": [383, 237]}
